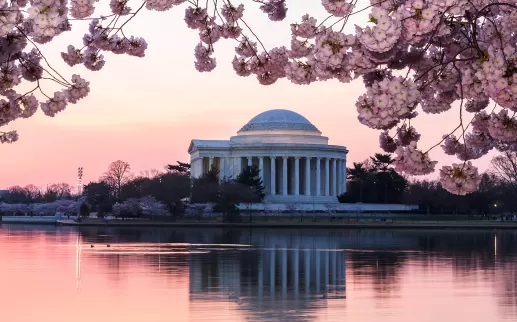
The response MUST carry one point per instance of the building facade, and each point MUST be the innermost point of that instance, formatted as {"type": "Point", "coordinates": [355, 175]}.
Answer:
{"type": "Point", "coordinates": [296, 162]}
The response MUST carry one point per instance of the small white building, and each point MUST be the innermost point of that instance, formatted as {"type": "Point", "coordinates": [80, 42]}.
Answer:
{"type": "Point", "coordinates": [296, 163]}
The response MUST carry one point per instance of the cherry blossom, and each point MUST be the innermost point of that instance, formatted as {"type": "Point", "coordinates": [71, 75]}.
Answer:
{"type": "Point", "coordinates": [460, 179]}
{"type": "Point", "coordinates": [8, 137]}
{"type": "Point", "coordinates": [387, 102]}
{"type": "Point", "coordinates": [204, 62]}
{"type": "Point", "coordinates": [412, 161]}
{"type": "Point", "coordinates": [338, 8]}
{"type": "Point", "coordinates": [136, 206]}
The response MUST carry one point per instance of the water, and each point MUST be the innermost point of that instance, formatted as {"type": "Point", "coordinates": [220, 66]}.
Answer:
{"type": "Point", "coordinates": [208, 274]}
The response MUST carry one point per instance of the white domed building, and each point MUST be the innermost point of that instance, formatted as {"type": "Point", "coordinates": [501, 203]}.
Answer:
{"type": "Point", "coordinates": [296, 163]}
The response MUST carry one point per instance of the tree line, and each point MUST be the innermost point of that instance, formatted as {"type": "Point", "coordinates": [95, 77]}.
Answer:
{"type": "Point", "coordinates": [372, 181]}
{"type": "Point", "coordinates": [375, 181]}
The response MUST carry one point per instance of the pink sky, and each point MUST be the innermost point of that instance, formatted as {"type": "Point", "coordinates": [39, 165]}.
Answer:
{"type": "Point", "coordinates": [146, 110]}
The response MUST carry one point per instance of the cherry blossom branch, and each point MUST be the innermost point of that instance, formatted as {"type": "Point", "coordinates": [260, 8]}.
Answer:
{"type": "Point", "coordinates": [41, 54]}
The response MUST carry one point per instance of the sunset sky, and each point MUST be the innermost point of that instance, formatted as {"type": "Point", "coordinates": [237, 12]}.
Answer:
{"type": "Point", "coordinates": [146, 110]}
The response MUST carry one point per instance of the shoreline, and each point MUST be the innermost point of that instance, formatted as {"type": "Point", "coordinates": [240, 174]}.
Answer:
{"type": "Point", "coordinates": [289, 225]}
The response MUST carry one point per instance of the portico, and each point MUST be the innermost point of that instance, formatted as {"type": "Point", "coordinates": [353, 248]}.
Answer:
{"type": "Point", "coordinates": [296, 162]}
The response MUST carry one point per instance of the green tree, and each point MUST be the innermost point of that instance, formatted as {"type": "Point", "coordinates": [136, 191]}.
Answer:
{"type": "Point", "coordinates": [375, 181]}
{"type": "Point", "coordinates": [250, 177]}
{"type": "Point", "coordinates": [170, 188]}
{"type": "Point", "coordinates": [357, 177]}
{"type": "Point", "coordinates": [179, 168]}
{"type": "Point", "coordinates": [135, 188]}
{"type": "Point", "coordinates": [386, 178]}
{"type": "Point", "coordinates": [228, 198]}
{"type": "Point", "coordinates": [382, 162]}
{"type": "Point", "coordinates": [206, 187]}
{"type": "Point", "coordinates": [98, 194]}
{"type": "Point", "coordinates": [84, 210]}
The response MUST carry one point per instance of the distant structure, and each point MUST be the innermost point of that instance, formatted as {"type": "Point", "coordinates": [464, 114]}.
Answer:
{"type": "Point", "coordinates": [296, 163]}
{"type": "Point", "coordinates": [79, 180]}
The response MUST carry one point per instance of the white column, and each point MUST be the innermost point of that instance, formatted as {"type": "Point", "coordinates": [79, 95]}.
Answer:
{"type": "Point", "coordinates": [238, 167]}
{"type": "Point", "coordinates": [327, 177]}
{"type": "Point", "coordinates": [201, 166]}
{"type": "Point", "coordinates": [318, 176]}
{"type": "Point", "coordinates": [222, 168]}
{"type": "Point", "coordinates": [344, 175]}
{"type": "Point", "coordinates": [273, 175]}
{"type": "Point", "coordinates": [284, 181]}
{"type": "Point", "coordinates": [307, 176]}
{"type": "Point", "coordinates": [210, 163]}
{"type": "Point", "coordinates": [296, 176]}
{"type": "Point", "coordinates": [334, 177]}
{"type": "Point", "coordinates": [342, 178]}
{"type": "Point", "coordinates": [250, 161]}
{"type": "Point", "coordinates": [339, 176]}
{"type": "Point", "coordinates": [261, 169]}
{"type": "Point", "coordinates": [194, 172]}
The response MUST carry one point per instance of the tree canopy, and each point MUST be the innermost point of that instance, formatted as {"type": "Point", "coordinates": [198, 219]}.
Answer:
{"type": "Point", "coordinates": [374, 181]}
{"type": "Point", "coordinates": [250, 177]}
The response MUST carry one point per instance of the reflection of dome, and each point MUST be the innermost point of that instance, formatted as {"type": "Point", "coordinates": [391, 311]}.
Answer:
{"type": "Point", "coordinates": [279, 120]}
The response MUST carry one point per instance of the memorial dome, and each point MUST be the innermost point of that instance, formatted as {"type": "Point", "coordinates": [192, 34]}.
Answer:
{"type": "Point", "coordinates": [278, 120]}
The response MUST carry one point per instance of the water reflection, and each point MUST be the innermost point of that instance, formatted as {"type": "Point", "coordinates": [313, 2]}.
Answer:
{"type": "Point", "coordinates": [257, 275]}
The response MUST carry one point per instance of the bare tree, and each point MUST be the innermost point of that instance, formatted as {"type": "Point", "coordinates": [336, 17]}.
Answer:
{"type": "Point", "coordinates": [57, 191]}
{"type": "Point", "coordinates": [505, 167]}
{"type": "Point", "coordinates": [117, 175]}
{"type": "Point", "coordinates": [150, 174]}
{"type": "Point", "coordinates": [32, 191]}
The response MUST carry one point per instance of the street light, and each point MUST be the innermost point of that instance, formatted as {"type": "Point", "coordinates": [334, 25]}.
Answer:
{"type": "Point", "coordinates": [79, 180]}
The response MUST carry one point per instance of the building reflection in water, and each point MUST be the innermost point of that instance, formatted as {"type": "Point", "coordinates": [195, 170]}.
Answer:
{"type": "Point", "coordinates": [271, 281]}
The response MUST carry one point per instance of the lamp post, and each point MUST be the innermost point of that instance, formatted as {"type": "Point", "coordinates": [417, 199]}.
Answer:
{"type": "Point", "coordinates": [79, 180]}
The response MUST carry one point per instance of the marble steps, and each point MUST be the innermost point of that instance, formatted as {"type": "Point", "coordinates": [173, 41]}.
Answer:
{"type": "Point", "coordinates": [301, 199]}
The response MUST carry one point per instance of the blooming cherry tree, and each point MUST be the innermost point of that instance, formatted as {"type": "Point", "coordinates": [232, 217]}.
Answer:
{"type": "Point", "coordinates": [134, 207]}
{"type": "Point", "coordinates": [63, 205]}
{"type": "Point", "coordinates": [413, 56]}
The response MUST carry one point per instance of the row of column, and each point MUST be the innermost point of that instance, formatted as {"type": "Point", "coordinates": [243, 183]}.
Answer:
{"type": "Point", "coordinates": [333, 167]}
{"type": "Point", "coordinates": [333, 183]}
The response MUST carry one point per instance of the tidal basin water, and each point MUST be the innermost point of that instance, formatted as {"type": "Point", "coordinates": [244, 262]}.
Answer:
{"type": "Point", "coordinates": [215, 274]}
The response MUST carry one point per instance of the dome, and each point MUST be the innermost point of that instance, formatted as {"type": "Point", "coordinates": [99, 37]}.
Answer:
{"type": "Point", "coordinates": [279, 120]}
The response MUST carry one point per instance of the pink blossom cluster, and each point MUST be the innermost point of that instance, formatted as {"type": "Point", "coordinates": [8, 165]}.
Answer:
{"type": "Point", "coordinates": [8, 137]}
{"type": "Point", "coordinates": [412, 161]}
{"type": "Point", "coordinates": [162, 5]}
{"type": "Point", "coordinates": [72, 94]}
{"type": "Point", "coordinates": [460, 179]}
{"type": "Point", "coordinates": [338, 8]}
{"type": "Point", "coordinates": [406, 135]}
{"type": "Point", "coordinates": [138, 206]}
{"type": "Point", "coordinates": [387, 102]}
{"type": "Point", "coordinates": [48, 208]}
{"type": "Point", "coordinates": [503, 127]}
{"type": "Point", "coordinates": [476, 145]}
{"type": "Point", "coordinates": [385, 33]}
{"type": "Point", "coordinates": [387, 143]}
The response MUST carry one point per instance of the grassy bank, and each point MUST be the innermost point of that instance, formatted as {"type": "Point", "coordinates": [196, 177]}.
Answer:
{"type": "Point", "coordinates": [288, 222]}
